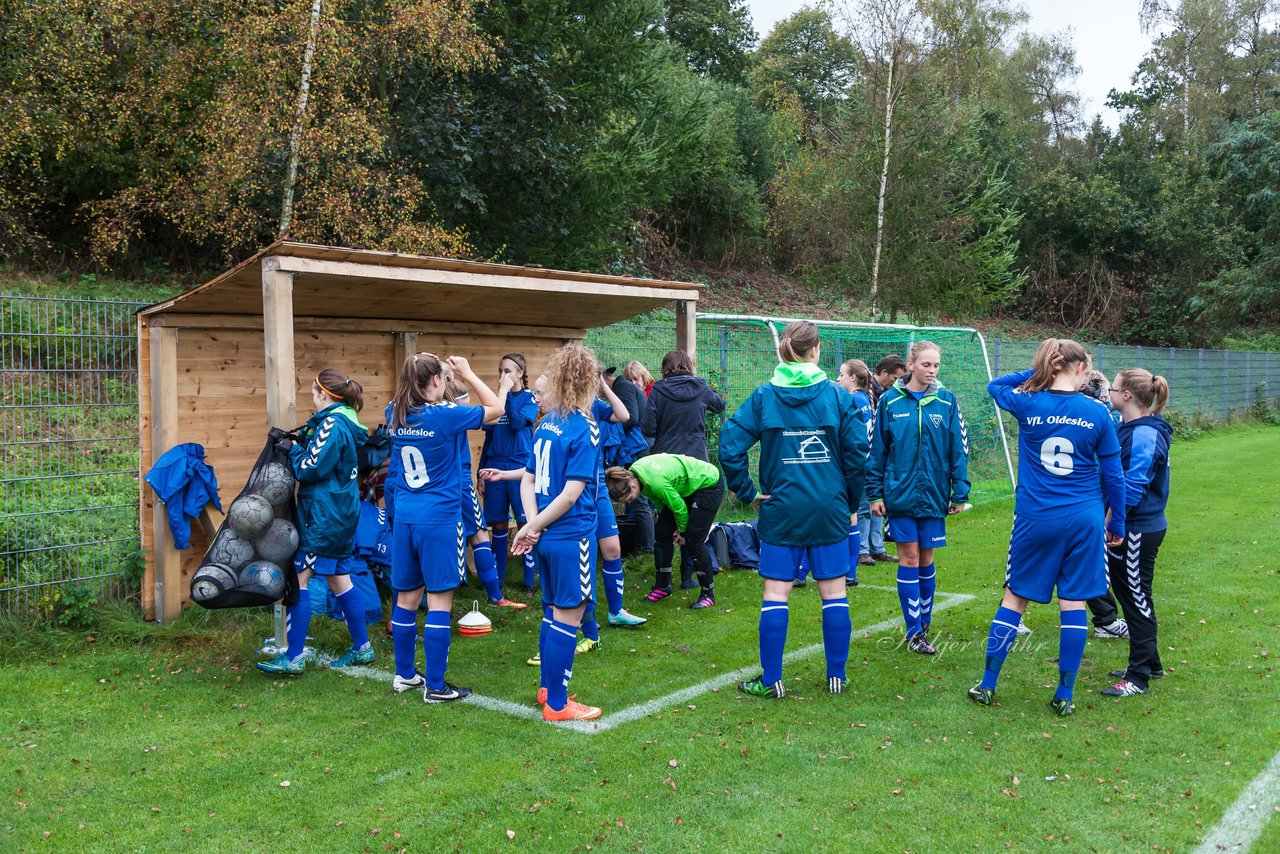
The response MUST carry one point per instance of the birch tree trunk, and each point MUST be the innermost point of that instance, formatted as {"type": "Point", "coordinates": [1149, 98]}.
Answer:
{"type": "Point", "coordinates": [299, 120]}
{"type": "Point", "coordinates": [884, 184]}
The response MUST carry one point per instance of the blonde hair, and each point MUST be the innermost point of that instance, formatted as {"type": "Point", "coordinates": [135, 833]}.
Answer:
{"type": "Point", "coordinates": [1150, 390]}
{"type": "Point", "coordinates": [858, 369]}
{"type": "Point", "coordinates": [798, 340]}
{"type": "Point", "coordinates": [637, 373]}
{"type": "Point", "coordinates": [618, 481]}
{"type": "Point", "coordinates": [1053, 356]}
{"type": "Point", "coordinates": [573, 377]}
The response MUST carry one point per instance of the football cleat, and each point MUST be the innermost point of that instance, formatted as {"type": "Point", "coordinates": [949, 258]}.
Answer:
{"type": "Point", "coordinates": [400, 684]}
{"type": "Point", "coordinates": [507, 603]}
{"type": "Point", "coordinates": [1117, 629]}
{"type": "Point", "coordinates": [920, 643]}
{"type": "Point", "coordinates": [756, 688]}
{"type": "Point", "coordinates": [586, 645]}
{"type": "Point", "coordinates": [572, 711]}
{"type": "Point", "coordinates": [627, 619]}
{"type": "Point", "coordinates": [1123, 688]}
{"type": "Point", "coordinates": [447, 694]}
{"type": "Point", "coordinates": [542, 697]}
{"type": "Point", "coordinates": [1062, 707]}
{"type": "Point", "coordinates": [982, 696]}
{"type": "Point", "coordinates": [657, 594]}
{"type": "Point", "coordinates": [835, 684]}
{"type": "Point", "coordinates": [536, 661]}
{"type": "Point", "coordinates": [353, 657]}
{"type": "Point", "coordinates": [281, 665]}
{"type": "Point", "coordinates": [1121, 674]}
{"type": "Point", "coordinates": [703, 602]}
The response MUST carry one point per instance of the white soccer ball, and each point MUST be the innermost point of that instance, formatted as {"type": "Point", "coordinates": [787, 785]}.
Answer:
{"type": "Point", "coordinates": [279, 543]}
{"type": "Point", "coordinates": [262, 576]}
{"type": "Point", "coordinates": [211, 581]}
{"type": "Point", "coordinates": [274, 482]}
{"type": "Point", "coordinates": [250, 515]}
{"type": "Point", "coordinates": [230, 549]}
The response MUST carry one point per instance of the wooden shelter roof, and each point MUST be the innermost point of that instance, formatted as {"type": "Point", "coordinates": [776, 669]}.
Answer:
{"type": "Point", "coordinates": [358, 283]}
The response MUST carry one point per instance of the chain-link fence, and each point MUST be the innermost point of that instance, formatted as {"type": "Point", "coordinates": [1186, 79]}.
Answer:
{"type": "Point", "coordinates": [69, 441]}
{"type": "Point", "coordinates": [69, 422]}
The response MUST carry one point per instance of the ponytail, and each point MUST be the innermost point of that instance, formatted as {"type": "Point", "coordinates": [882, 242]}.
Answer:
{"type": "Point", "coordinates": [618, 481]}
{"type": "Point", "coordinates": [411, 392]}
{"type": "Point", "coordinates": [1053, 356]}
{"type": "Point", "coordinates": [1150, 391]}
{"type": "Point", "coordinates": [338, 386]}
{"type": "Point", "coordinates": [798, 341]}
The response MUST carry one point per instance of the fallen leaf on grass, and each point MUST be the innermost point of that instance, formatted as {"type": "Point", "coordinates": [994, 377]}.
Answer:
{"type": "Point", "coordinates": [511, 834]}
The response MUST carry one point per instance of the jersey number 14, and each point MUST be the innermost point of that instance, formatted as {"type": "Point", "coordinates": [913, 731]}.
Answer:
{"type": "Point", "coordinates": [542, 464]}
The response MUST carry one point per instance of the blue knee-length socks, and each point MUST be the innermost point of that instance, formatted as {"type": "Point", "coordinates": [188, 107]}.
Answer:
{"type": "Point", "coordinates": [404, 631]}
{"type": "Point", "coordinates": [353, 614]}
{"type": "Point", "coordinates": [1073, 631]}
{"type": "Point", "coordinates": [557, 662]}
{"type": "Point", "coordinates": [487, 569]}
{"type": "Point", "coordinates": [613, 584]}
{"type": "Point", "coordinates": [1004, 631]}
{"type": "Point", "coordinates": [435, 648]}
{"type": "Point", "coordinates": [837, 629]}
{"type": "Point", "coordinates": [773, 639]}
{"type": "Point", "coordinates": [297, 619]}
{"type": "Point", "coordinates": [928, 585]}
{"type": "Point", "coordinates": [909, 597]}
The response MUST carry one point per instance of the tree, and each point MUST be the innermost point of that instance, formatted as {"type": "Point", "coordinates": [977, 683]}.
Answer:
{"type": "Point", "coordinates": [715, 36]}
{"type": "Point", "coordinates": [805, 58]}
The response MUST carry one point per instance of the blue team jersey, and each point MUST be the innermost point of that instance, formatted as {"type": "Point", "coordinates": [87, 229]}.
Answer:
{"type": "Point", "coordinates": [1065, 441]}
{"type": "Point", "coordinates": [507, 441]}
{"type": "Point", "coordinates": [424, 476]}
{"type": "Point", "coordinates": [566, 447]}
{"type": "Point", "coordinates": [610, 437]}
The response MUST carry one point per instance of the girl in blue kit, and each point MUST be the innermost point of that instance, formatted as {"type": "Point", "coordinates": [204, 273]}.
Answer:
{"type": "Point", "coordinates": [918, 475]}
{"type": "Point", "coordinates": [1064, 438]}
{"type": "Point", "coordinates": [855, 378]}
{"type": "Point", "coordinates": [1144, 453]}
{"type": "Point", "coordinates": [422, 496]}
{"type": "Point", "coordinates": [324, 463]}
{"type": "Point", "coordinates": [559, 494]}
{"type": "Point", "coordinates": [507, 442]}
{"type": "Point", "coordinates": [812, 460]}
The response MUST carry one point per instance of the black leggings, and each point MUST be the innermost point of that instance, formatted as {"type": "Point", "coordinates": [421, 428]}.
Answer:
{"type": "Point", "coordinates": [1132, 568]}
{"type": "Point", "coordinates": [703, 506]}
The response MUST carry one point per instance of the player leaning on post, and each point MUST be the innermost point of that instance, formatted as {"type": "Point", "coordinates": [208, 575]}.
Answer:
{"type": "Point", "coordinates": [1064, 438]}
{"type": "Point", "coordinates": [918, 474]}
{"type": "Point", "coordinates": [324, 463]}
{"type": "Point", "coordinates": [559, 495]}
{"type": "Point", "coordinates": [423, 493]}
{"type": "Point", "coordinates": [1144, 453]}
{"type": "Point", "coordinates": [812, 460]}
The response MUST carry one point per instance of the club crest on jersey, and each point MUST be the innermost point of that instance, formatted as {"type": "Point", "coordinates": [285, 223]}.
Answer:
{"type": "Point", "coordinates": [809, 448]}
{"type": "Point", "coordinates": [936, 419]}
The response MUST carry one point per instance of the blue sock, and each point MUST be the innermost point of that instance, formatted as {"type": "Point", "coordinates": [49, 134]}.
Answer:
{"type": "Point", "coordinates": [500, 554]}
{"type": "Point", "coordinates": [928, 584]}
{"type": "Point", "coordinates": [404, 631]}
{"type": "Point", "coordinates": [557, 662]}
{"type": "Point", "coordinates": [773, 639]}
{"type": "Point", "coordinates": [1071, 637]}
{"type": "Point", "coordinates": [613, 582]}
{"type": "Point", "coordinates": [909, 597]}
{"type": "Point", "coordinates": [487, 569]}
{"type": "Point", "coordinates": [530, 570]}
{"type": "Point", "coordinates": [542, 645]}
{"type": "Point", "coordinates": [435, 648]}
{"type": "Point", "coordinates": [353, 613]}
{"type": "Point", "coordinates": [590, 628]}
{"type": "Point", "coordinates": [297, 619]}
{"type": "Point", "coordinates": [855, 547]}
{"type": "Point", "coordinates": [837, 629]}
{"type": "Point", "coordinates": [1004, 631]}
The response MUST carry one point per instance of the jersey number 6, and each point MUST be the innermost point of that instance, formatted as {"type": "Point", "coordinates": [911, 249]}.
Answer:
{"type": "Point", "coordinates": [1055, 455]}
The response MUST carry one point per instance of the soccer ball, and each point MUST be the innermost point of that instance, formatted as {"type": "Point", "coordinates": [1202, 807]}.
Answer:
{"type": "Point", "coordinates": [279, 542]}
{"type": "Point", "coordinates": [230, 549]}
{"type": "Point", "coordinates": [274, 482]}
{"type": "Point", "coordinates": [211, 581]}
{"type": "Point", "coordinates": [262, 576]}
{"type": "Point", "coordinates": [250, 516]}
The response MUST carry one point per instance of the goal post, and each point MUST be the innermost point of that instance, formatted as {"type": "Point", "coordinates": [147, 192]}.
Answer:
{"type": "Point", "coordinates": [736, 353]}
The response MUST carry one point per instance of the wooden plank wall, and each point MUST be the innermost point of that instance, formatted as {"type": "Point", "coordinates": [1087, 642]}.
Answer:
{"type": "Point", "coordinates": [222, 398]}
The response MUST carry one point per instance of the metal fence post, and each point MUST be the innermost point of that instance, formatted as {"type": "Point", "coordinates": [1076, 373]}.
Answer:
{"type": "Point", "coordinates": [1173, 369]}
{"type": "Point", "coordinates": [724, 350]}
{"type": "Point", "coordinates": [995, 357]}
{"type": "Point", "coordinates": [1200, 379]}
{"type": "Point", "coordinates": [1248, 379]}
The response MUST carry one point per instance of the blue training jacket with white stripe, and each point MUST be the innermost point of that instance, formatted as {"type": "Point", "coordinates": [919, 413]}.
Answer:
{"type": "Point", "coordinates": [919, 460]}
{"type": "Point", "coordinates": [324, 462]}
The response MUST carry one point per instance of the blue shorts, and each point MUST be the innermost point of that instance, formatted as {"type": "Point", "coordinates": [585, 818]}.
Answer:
{"type": "Point", "coordinates": [501, 499]}
{"type": "Point", "coordinates": [929, 531]}
{"type": "Point", "coordinates": [606, 522]}
{"type": "Point", "coordinates": [472, 518]}
{"type": "Point", "coordinates": [782, 563]}
{"type": "Point", "coordinates": [1066, 553]}
{"type": "Point", "coordinates": [567, 569]}
{"type": "Point", "coordinates": [318, 565]}
{"type": "Point", "coordinates": [430, 556]}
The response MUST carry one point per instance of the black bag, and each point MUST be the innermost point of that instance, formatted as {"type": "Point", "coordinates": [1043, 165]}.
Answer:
{"type": "Point", "coordinates": [375, 452]}
{"type": "Point", "coordinates": [250, 561]}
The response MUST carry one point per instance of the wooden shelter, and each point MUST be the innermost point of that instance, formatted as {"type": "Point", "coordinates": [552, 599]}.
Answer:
{"type": "Point", "coordinates": [222, 362]}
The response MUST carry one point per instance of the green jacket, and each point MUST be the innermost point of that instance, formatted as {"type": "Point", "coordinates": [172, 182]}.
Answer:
{"type": "Point", "coordinates": [668, 479]}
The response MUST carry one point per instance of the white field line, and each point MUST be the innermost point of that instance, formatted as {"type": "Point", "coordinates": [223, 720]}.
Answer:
{"type": "Point", "coordinates": [1242, 823]}
{"type": "Point", "coordinates": [684, 695]}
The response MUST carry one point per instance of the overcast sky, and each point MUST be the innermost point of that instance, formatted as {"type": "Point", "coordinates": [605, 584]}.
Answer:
{"type": "Point", "coordinates": [1106, 35]}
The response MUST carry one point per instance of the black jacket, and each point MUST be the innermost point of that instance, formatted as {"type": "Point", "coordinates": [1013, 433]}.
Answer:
{"type": "Point", "coordinates": [676, 418]}
{"type": "Point", "coordinates": [633, 444]}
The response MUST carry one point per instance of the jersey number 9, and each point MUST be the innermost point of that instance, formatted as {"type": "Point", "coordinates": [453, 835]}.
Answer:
{"type": "Point", "coordinates": [415, 467]}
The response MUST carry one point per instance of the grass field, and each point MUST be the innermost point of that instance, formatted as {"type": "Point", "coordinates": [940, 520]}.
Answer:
{"type": "Point", "coordinates": [167, 739]}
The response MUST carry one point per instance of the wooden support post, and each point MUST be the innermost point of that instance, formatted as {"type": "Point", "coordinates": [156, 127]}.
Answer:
{"type": "Point", "coordinates": [282, 392]}
{"type": "Point", "coordinates": [406, 346]}
{"type": "Point", "coordinates": [687, 327]}
{"type": "Point", "coordinates": [164, 435]}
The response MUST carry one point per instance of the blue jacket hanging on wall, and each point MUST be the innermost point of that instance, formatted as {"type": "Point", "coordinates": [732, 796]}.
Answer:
{"type": "Point", "coordinates": [185, 483]}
